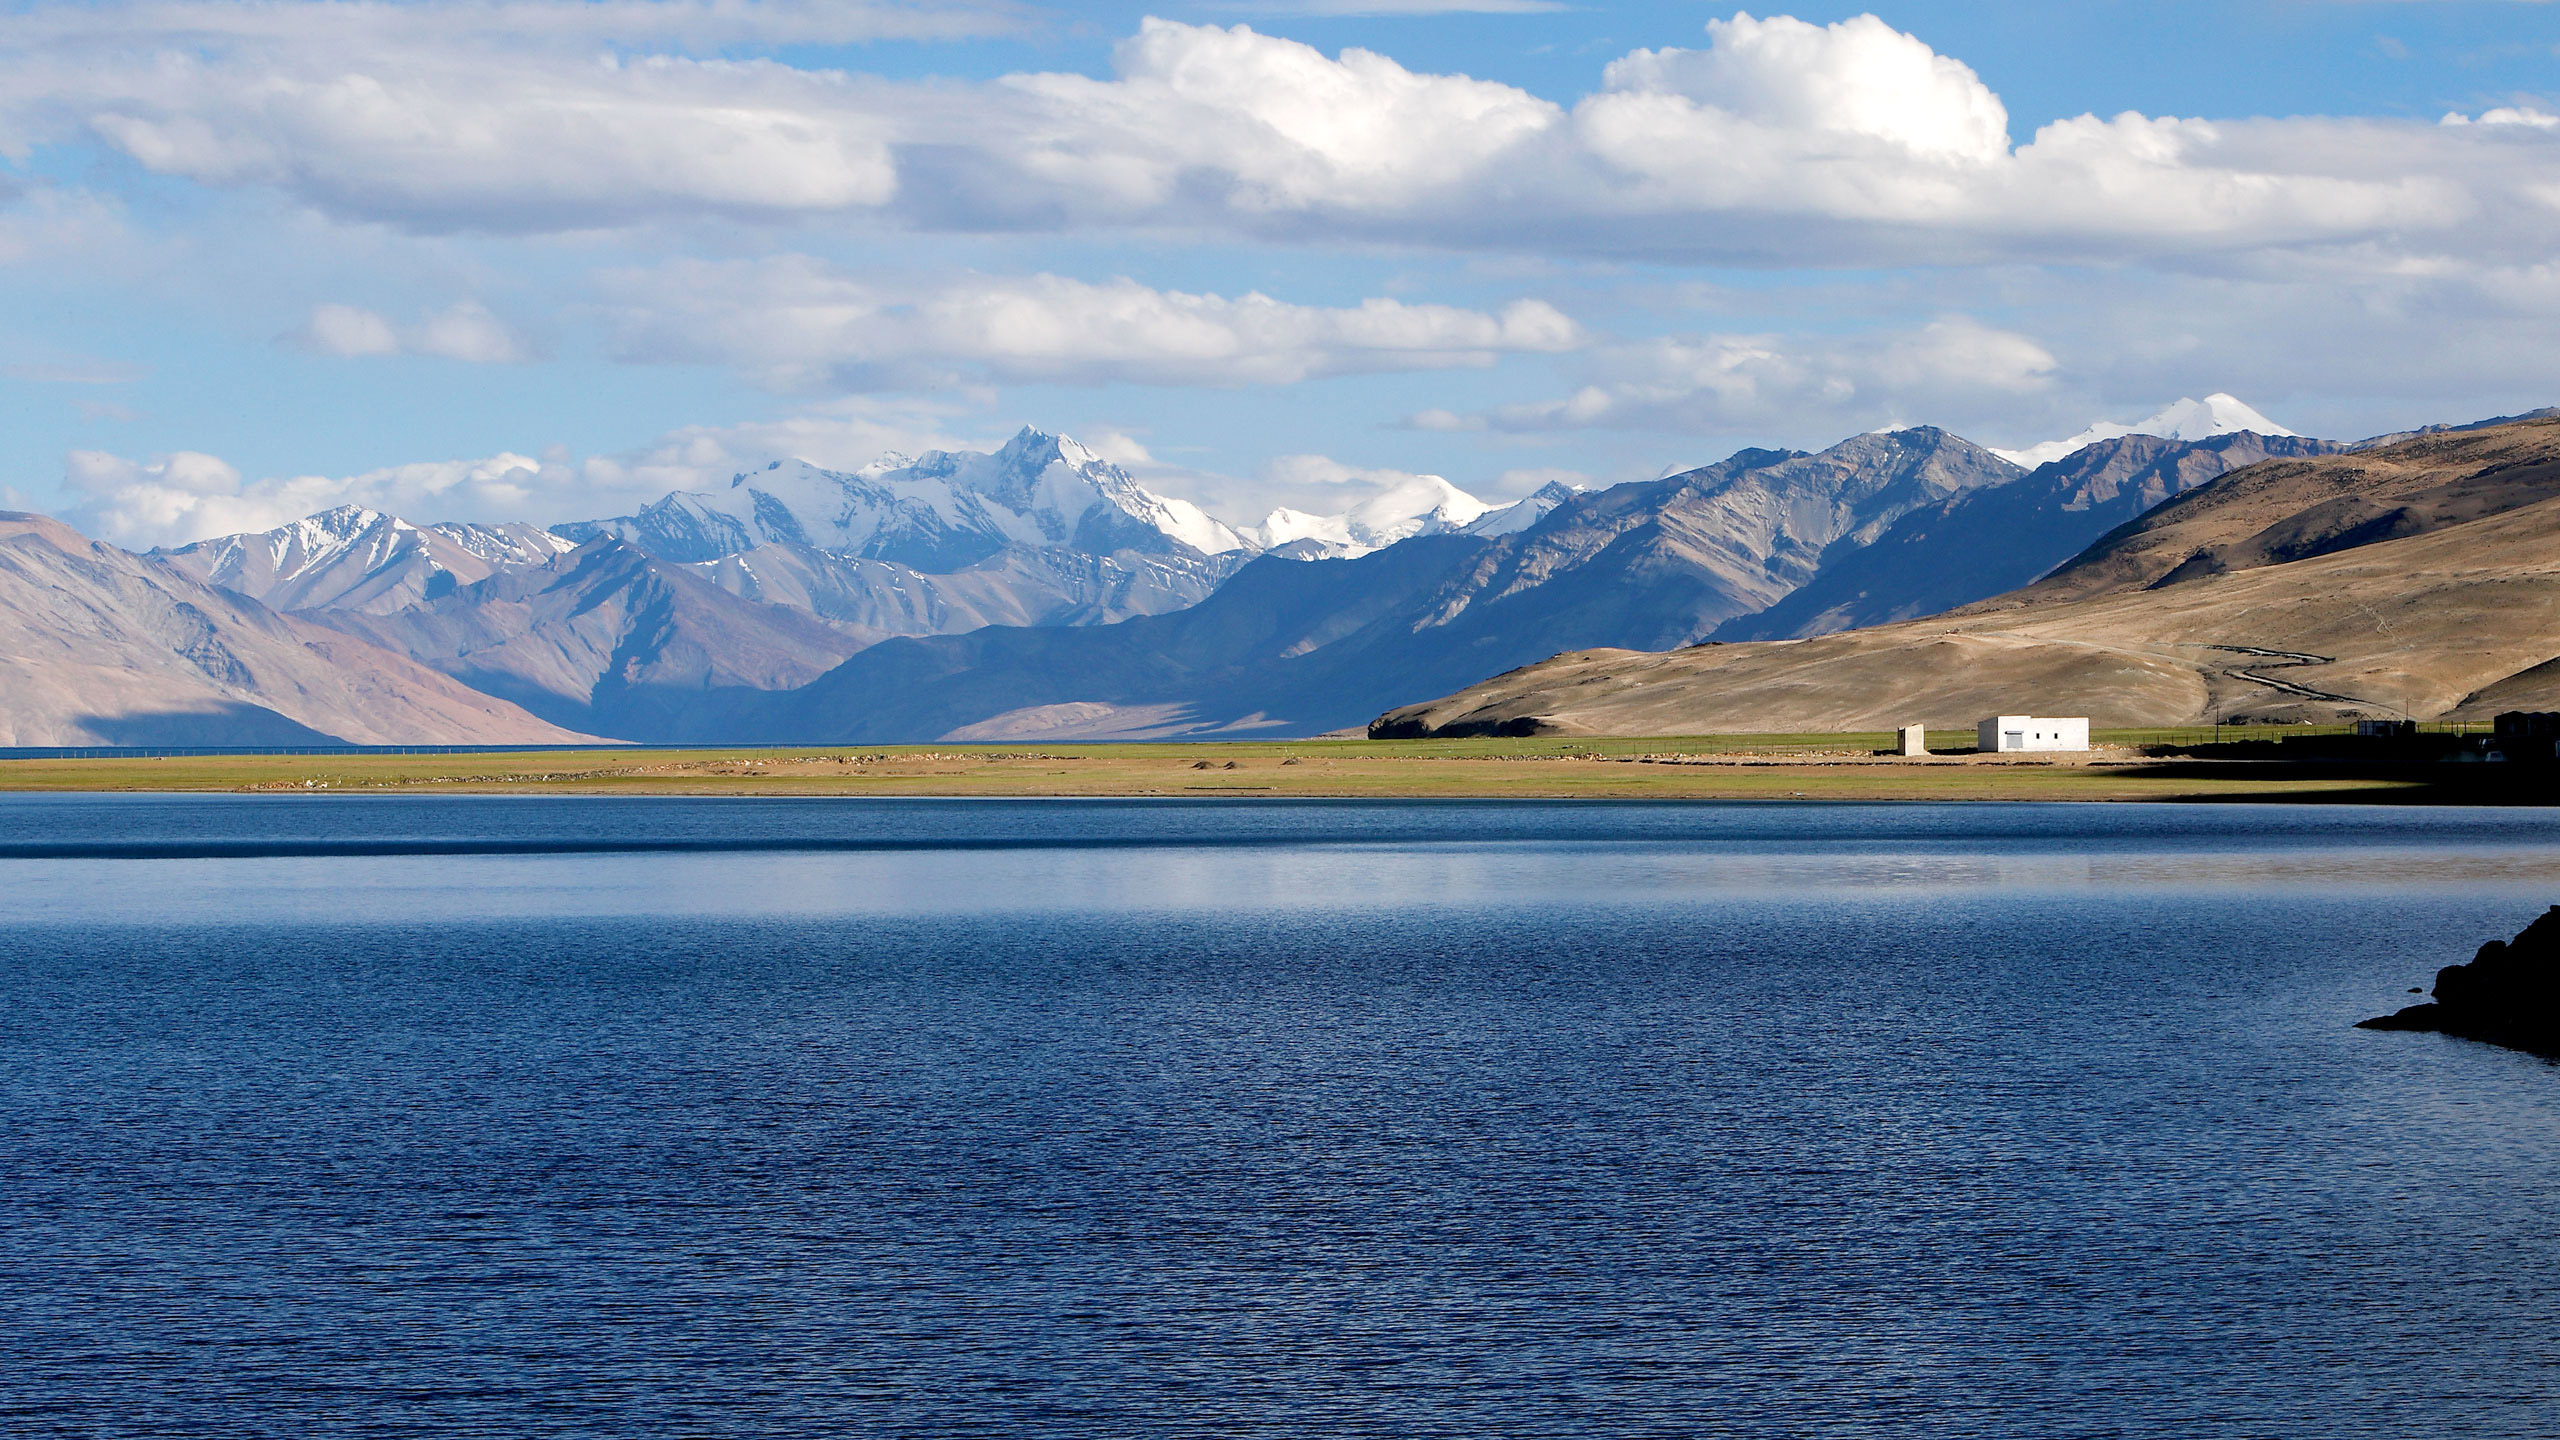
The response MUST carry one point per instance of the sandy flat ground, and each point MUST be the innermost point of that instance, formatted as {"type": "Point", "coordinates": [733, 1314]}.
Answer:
{"type": "Point", "coordinates": [1759, 768]}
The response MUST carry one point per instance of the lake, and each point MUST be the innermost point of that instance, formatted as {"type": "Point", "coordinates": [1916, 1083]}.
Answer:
{"type": "Point", "coordinates": [359, 1116]}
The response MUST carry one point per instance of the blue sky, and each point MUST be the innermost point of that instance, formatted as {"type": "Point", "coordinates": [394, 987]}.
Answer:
{"type": "Point", "coordinates": [539, 260]}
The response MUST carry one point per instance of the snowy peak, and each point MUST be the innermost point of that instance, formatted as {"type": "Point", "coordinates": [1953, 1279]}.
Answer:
{"type": "Point", "coordinates": [2215, 414]}
{"type": "Point", "coordinates": [1513, 518]}
{"type": "Point", "coordinates": [2187, 419]}
{"type": "Point", "coordinates": [1421, 505]}
{"type": "Point", "coordinates": [936, 513]}
{"type": "Point", "coordinates": [356, 558]}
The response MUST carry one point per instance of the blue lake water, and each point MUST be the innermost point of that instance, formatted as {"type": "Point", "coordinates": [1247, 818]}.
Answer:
{"type": "Point", "coordinates": [518, 1117]}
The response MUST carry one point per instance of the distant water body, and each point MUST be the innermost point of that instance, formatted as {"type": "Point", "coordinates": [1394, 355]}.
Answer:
{"type": "Point", "coordinates": [535, 1117]}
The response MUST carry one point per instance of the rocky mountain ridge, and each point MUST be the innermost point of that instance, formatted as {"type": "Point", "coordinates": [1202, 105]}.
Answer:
{"type": "Point", "coordinates": [1425, 587]}
{"type": "Point", "coordinates": [2415, 580]}
{"type": "Point", "coordinates": [1308, 646]}
{"type": "Point", "coordinates": [937, 513]}
{"type": "Point", "coordinates": [100, 646]}
{"type": "Point", "coordinates": [354, 558]}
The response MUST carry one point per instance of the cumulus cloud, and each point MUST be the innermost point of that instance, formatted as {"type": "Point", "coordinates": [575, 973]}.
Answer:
{"type": "Point", "coordinates": [1275, 125]}
{"type": "Point", "coordinates": [464, 331]}
{"type": "Point", "coordinates": [475, 114]}
{"type": "Point", "coordinates": [798, 323]}
{"type": "Point", "coordinates": [186, 495]}
{"type": "Point", "coordinates": [2525, 115]}
{"type": "Point", "coordinates": [1777, 141]}
{"type": "Point", "coordinates": [1716, 384]}
{"type": "Point", "coordinates": [1850, 89]}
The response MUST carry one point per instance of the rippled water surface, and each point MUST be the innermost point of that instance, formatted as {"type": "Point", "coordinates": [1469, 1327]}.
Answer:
{"type": "Point", "coordinates": [519, 1117]}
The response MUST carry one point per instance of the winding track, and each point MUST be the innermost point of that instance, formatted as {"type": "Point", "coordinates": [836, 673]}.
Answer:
{"type": "Point", "coordinates": [2290, 659]}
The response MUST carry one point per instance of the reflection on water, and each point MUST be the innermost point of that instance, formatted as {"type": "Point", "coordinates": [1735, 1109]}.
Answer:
{"type": "Point", "coordinates": [1263, 1120]}
{"type": "Point", "coordinates": [423, 859]}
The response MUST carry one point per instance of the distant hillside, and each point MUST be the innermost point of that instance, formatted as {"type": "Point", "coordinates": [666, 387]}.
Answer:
{"type": "Point", "coordinates": [99, 646]}
{"type": "Point", "coordinates": [612, 641]}
{"type": "Point", "coordinates": [2418, 579]}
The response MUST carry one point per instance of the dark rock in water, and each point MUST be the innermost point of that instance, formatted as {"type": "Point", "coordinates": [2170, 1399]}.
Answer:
{"type": "Point", "coordinates": [2508, 995]}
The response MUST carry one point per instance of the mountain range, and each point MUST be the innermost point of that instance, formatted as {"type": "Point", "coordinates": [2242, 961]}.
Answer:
{"type": "Point", "coordinates": [2416, 579]}
{"type": "Point", "coordinates": [99, 646]}
{"type": "Point", "coordinates": [1039, 590]}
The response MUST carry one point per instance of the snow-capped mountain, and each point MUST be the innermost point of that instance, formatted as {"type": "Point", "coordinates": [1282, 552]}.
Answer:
{"type": "Point", "coordinates": [352, 558]}
{"type": "Point", "coordinates": [1423, 505]}
{"type": "Point", "coordinates": [938, 513]}
{"type": "Point", "coordinates": [2188, 419]}
{"type": "Point", "coordinates": [1521, 514]}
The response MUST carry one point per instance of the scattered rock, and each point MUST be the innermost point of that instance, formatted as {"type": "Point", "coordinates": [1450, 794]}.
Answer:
{"type": "Point", "coordinates": [2508, 995]}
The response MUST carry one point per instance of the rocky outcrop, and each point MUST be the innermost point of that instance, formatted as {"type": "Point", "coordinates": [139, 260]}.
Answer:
{"type": "Point", "coordinates": [2508, 995]}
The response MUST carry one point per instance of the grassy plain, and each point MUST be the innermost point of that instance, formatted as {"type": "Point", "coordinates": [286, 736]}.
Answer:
{"type": "Point", "coordinates": [1754, 767]}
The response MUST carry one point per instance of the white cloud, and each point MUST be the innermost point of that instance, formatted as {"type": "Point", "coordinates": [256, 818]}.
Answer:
{"type": "Point", "coordinates": [1820, 90]}
{"type": "Point", "coordinates": [499, 146]}
{"type": "Point", "coordinates": [186, 495]}
{"type": "Point", "coordinates": [345, 331]}
{"type": "Point", "coordinates": [464, 331]}
{"type": "Point", "coordinates": [2524, 115]}
{"type": "Point", "coordinates": [1718, 384]}
{"type": "Point", "coordinates": [174, 498]}
{"type": "Point", "coordinates": [1272, 124]}
{"type": "Point", "coordinates": [1778, 141]}
{"type": "Point", "coordinates": [475, 114]}
{"type": "Point", "coordinates": [798, 323]}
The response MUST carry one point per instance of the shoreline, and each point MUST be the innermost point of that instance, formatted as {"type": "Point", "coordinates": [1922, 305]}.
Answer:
{"type": "Point", "coordinates": [1831, 767]}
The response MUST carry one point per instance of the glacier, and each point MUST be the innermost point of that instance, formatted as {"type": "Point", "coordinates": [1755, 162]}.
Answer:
{"type": "Point", "coordinates": [2188, 419]}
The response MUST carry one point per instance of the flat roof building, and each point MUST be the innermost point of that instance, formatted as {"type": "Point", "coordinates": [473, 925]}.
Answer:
{"type": "Point", "coordinates": [2032, 732]}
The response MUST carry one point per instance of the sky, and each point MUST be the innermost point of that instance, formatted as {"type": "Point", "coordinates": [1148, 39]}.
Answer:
{"type": "Point", "coordinates": [535, 260]}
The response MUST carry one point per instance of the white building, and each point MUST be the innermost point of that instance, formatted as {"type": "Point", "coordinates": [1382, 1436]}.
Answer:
{"type": "Point", "coordinates": [2032, 732]}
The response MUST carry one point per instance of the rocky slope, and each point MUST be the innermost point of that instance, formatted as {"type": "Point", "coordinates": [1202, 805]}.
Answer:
{"type": "Point", "coordinates": [2418, 579]}
{"type": "Point", "coordinates": [613, 641]}
{"type": "Point", "coordinates": [99, 646]}
{"type": "Point", "coordinates": [1297, 647]}
{"type": "Point", "coordinates": [1014, 586]}
{"type": "Point", "coordinates": [352, 558]}
{"type": "Point", "coordinates": [2290, 510]}
{"type": "Point", "coordinates": [1986, 541]}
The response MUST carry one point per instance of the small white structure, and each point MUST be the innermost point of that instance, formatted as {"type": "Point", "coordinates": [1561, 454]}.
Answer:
{"type": "Point", "coordinates": [1911, 740]}
{"type": "Point", "coordinates": [2032, 732]}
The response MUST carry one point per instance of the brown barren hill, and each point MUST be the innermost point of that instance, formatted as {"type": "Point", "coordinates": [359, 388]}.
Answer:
{"type": "Point", "coordinates": [99, 646]}
{"type": "Point", "coordinates": [2280, 511]}
{"type": "Point", "coordinates": [2419, 579]}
